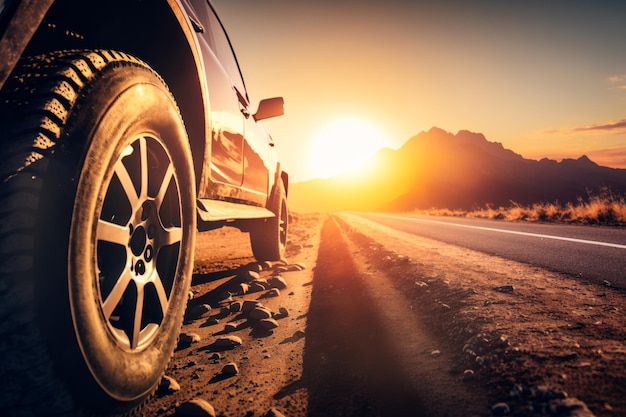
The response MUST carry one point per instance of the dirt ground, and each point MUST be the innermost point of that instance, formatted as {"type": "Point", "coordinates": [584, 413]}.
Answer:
{"type": "Point", "coordinates": [372, 322]}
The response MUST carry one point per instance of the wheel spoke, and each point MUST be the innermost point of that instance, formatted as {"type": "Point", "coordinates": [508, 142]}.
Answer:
{"type": "Point", "coordinates": [111, 232]}
{"type": "Point", "coordinates": [127, 184]}
{"type": "Point", "coordinates": [171, 236]}
{"type": "Point", "coordinates": [143, 154]}
{"type": "Point", "coordinates": [163, 302]}
{"type": "Point", "coordinates": [116, 294]}
{"type": "Point", "coordinates": [169, 174]}
{"type": "Point", "coordinates": [135, 338]}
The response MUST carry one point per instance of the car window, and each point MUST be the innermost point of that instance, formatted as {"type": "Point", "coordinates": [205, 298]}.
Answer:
{"type": "Point", "coordinates": [220, 44]}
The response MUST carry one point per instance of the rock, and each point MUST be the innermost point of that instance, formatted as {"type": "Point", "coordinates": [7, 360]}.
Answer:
{"type": "Point", "coordinates": [282, 313]}
{"type": "Point", "coordinates": [468, 375]}
{"type": "Point", "coordinates": [435, 352]}
{"type": "Point", "coordinates": [273, 412]}
{"type": "Point", "coordinates": [230, 369]}
{"type": "Point", "coordinates": [187, 339]}
{"type": "Point", "coordinates": [256, 287]}
{"type": "Point", "coordinates": [260, 313]}
{"type": "Point", "coordinates": [249, 305]}
{"type": "Point", "coordinates": [198, 311]}
{"type": "Point", "coordinates": [248, 276]}
{"type": "Point", "coordinates": [500, 409]}
{"type": "Point", "coordinates": [507, 289]}
{"type": "Point", "coordinates": [195, 408]}
{"type": "Point", "coordinates": [254, 267]}
{"type": "Point", "coordinates": [228, 342]}
{"type": "Point", "coordinates": [265, 265]}
{"type": "Point", "coordinates": [212, 321]}
{"type": "Point", "coordinates": [230, 327]}
{"type": "Point", "coordinates": [274, 292]}
{"type": "Point", "coordinates": [571, 407]}
{"type": "Point", "coordinates": [277, 282]}
{"type": "Point", "coordinates": [168, 385]}
{"type": "Point", "coordinates": [225, 296]}
{"type": "Point", "coordinates": [268, 324]}
{"type": "Point", "coordinates": [235, 307]}
{"type": "Point", "coordinates": [243, 288]}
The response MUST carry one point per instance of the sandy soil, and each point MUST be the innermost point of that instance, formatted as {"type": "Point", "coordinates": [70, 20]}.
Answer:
{"type": "Point", "coordinates": [382, 323]}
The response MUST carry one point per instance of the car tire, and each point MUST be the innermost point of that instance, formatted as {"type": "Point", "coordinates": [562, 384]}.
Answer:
{"type": "Point", "coordinates": [97, 231]}
{"type": "Point", "coordinates": [268, 237]}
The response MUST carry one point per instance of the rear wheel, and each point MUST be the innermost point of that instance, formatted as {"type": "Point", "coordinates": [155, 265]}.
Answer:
{"type": "Point", "coordinates": [268, 237]}
{"type": "Point", "coordinates": [97, 230]}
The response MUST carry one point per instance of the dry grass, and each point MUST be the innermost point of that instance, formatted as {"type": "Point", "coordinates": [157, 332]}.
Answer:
{"type": "Point", "coordinates": [603, 208]}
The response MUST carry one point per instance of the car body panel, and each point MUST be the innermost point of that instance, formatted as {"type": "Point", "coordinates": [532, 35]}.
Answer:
{"type": "Point", "coordinates": [233, 155]}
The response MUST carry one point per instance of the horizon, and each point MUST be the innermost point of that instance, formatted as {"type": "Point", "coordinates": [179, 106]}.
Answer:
{"type": "Point", "coordinates": [543, 79]}
{"type": "Point", "coordinates": [395, 149]}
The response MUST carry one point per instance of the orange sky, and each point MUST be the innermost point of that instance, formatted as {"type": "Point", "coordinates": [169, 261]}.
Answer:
{"type": "Point", "coordinates": [543, 78]}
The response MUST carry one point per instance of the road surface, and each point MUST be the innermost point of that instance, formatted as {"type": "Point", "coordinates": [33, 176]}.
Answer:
{"type": "Point", "coordinates": [591, 253]}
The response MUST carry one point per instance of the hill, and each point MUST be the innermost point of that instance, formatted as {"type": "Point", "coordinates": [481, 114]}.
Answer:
{"type": "Point", "coordinates": [437, 169]}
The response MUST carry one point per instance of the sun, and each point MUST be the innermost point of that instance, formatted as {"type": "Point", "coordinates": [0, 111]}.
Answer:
{"type": "Point", "coordinates": [343, 145]}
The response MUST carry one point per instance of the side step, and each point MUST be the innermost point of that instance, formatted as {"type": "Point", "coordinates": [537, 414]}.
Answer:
{"type": "Point", "coordinates": [217, 210]}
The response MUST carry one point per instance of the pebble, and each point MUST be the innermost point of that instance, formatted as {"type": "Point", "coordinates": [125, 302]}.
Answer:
{"type": "Point", "coordinates": [198, 311]}
{"type": "Point", "coordinates": [571, 407]}
{"type": "Point", "coordinates": [230, 369]}
{"type": "Point", "coordinates": [243, 288]}
{"type": "Point", "coordinates": [168, 385]}
{"type": "Point", "coordinates": [235, 307]}
{"type": "Point", "coordinates": [195, 408]}
{"type": "Point", "coordinates": [274, 292]}
{"type": "Point", "coordinates": [187, 339]}
{"type": "Point", "coordinates": [268, 324]}
{"type": "Point", "coordinates": [277, 282]}
{"type": "Point", "coordinates": [507, 289]}
{"type": "Point", "coordinates": [248, 276]}
{"type": "Point", "coordinates": [273, 412]}
{"type": "Point", "coordinates": [249, 305]}
{"type": "Point", "coordinates": [260, 313]}
{"type": "Point", "coordinates": [256, 287]}
{"type": "Point", "coordinates": [500, 409]}
{"type": "Point", "coordinates": [254, 267]}
{"type": "Point", "coordinates": [228, 342]}
{"type": "Point", "coordinates": [230, 327]}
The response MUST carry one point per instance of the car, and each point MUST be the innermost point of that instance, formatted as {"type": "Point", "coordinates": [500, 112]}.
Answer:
{"type": "Point", "coordinates": [126, 129]}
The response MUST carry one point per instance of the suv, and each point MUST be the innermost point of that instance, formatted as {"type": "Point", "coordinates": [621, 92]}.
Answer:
{"type": "Point", "coordinates": [126, 128]}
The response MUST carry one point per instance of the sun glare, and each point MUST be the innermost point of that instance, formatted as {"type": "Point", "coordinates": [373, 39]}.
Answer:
{"type": "Point", "coordinates": [344, 145]}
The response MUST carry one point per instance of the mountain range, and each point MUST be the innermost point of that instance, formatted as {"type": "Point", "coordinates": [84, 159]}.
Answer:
{"type": "Point", "coordinates": [438, 169]}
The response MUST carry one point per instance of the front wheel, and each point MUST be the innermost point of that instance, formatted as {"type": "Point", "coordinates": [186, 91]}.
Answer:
{"type": "Point", "coordinates": [268, 237]}
{"type": "Point", "coordinates": [99, 224]}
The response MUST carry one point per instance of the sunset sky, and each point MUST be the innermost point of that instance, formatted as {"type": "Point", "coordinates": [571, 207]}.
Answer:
{"type": "Point", "coordinates": [544, 78]}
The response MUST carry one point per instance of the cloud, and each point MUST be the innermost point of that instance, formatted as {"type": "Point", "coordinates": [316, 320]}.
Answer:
{"type": "Point", "coordinates": [615, 126]}
{"type": "Point", "coordinates": [618, 82]}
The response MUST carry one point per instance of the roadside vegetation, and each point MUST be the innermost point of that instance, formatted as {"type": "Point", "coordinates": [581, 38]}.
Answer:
{"type": "Point", "coordinates": [602, 208]}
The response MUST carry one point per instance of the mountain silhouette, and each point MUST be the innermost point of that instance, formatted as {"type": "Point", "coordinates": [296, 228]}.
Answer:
{"type": "Point", "coordinates": [437, 169]}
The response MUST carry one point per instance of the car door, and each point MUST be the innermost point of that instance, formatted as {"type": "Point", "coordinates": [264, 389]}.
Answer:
{"type": "Point", "coordinates": [225, 88]}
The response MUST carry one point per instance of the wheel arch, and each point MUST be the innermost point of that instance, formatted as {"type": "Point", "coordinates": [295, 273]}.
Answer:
{"type": "Point", "coordinates": [158, 33]}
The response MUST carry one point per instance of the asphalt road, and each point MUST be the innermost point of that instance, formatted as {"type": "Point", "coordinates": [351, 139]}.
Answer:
{"type": "Point", "coordinates": [591, 253]}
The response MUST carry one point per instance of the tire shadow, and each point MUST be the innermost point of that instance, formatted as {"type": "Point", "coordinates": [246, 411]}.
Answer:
{"type": "Point", "coordinates": [349, 368]}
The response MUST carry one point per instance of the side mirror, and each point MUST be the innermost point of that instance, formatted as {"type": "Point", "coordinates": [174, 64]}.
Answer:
{"type": "Point", "coordinates": [270, 107]}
